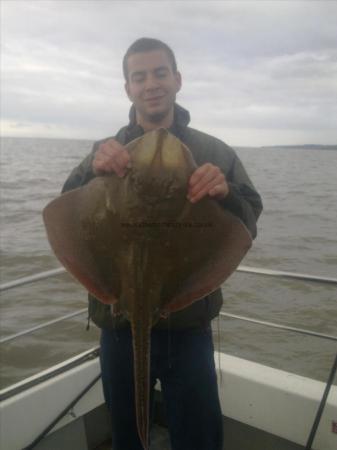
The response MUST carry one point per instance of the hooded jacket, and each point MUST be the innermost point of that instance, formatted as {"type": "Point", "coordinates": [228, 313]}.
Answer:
{"type": "Point", "coordinates": [242, 200]}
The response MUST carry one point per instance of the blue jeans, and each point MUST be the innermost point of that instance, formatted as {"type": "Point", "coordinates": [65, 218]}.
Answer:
{"type": "Point", "coordinates": [183, 361]}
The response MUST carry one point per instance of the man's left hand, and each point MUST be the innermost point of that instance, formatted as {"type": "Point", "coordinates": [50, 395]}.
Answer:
{"type": "Point", "coordinates": [207, 180]}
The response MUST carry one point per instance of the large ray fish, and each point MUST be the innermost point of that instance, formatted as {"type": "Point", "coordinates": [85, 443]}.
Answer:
{"type": "Point", "coordinates": [138, 244]}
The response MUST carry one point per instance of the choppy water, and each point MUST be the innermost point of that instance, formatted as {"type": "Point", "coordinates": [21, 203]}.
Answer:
{"type": "Point", "coordinates": [297, 232]}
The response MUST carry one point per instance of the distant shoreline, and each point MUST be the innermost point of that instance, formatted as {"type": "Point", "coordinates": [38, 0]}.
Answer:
{"type": "Point", "coordinates": [289, 147]}
{"type": "Point", "coordinates": [307, 146]}
{"type": "Point", "coordinates": [237, 147]}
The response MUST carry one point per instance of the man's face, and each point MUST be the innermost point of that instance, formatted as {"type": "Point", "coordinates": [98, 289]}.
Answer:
{"type": "Point", "coordinates": [152, 85]}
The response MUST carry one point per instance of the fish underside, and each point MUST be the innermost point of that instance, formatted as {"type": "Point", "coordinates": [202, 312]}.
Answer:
{"type": "Point", "coordinates": [138, 244]}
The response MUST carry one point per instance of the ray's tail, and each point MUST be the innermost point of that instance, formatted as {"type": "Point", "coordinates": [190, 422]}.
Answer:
{"type": "Point", "coordinates": [141, 348]}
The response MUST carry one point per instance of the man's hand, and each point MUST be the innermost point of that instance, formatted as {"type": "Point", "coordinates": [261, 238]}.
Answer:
{"type": "Point", "coordinates": [207, 180]}
{"type": "Point", "coordinates": [111, 157]}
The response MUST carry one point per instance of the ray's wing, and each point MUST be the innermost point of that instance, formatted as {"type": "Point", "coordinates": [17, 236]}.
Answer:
{"type": "Point", "coordinates": [211, 243]}
{"type": "Point", "coordinates": [80, 238]}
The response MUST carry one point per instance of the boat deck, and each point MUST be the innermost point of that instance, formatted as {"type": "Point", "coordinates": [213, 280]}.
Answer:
{"type": "Point", "coordinates": [237, 437]}
{"type": "Point", "coordinates": [159, 440]}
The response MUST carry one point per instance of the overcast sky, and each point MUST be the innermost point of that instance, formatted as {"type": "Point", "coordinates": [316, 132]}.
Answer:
{"type": "Point", "coordinates": [254, 72]}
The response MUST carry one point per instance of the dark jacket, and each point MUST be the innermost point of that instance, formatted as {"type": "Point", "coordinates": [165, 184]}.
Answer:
{"type": "Point", "coordinates": [242, 200]}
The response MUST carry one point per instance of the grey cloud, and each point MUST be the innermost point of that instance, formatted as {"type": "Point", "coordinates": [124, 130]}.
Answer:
{"type": "Point", "coordinates": [255, 65]}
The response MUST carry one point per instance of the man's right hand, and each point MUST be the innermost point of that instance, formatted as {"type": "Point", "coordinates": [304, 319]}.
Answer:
{"type": "Point", "coordinates": [110, 157]}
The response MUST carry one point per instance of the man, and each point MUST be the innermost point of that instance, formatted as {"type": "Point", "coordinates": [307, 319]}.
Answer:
{"type": "Point", "coordinates": [181, 346]}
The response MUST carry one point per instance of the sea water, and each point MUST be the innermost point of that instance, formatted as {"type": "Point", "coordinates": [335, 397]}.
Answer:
{"type": "Point", "coordinates": [296, 233]}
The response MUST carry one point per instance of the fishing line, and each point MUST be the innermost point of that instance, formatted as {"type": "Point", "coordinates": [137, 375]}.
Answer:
{"type": "Point", "coordinates": [169, 343]}
{"type": "Point", "coordinates": [218, 349]}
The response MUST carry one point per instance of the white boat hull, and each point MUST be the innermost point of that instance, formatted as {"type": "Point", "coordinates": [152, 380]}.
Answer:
{"type": "Point", "coordinates": [273, 401]}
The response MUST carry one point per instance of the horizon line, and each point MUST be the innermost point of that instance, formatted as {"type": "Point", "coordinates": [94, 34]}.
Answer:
{"type": "Point", "coordinates": [232, 145]}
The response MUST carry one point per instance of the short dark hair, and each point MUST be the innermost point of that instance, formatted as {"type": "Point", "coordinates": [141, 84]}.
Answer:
{"type": "Point", "coordinates": [146, 45]}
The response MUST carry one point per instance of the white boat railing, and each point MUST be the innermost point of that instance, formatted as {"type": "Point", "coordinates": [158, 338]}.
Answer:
{"type": "Point", "coordinates": [31, 279]}
{"type": "Point", "coordinates": [279, 326]}
{"type": "Point", "coordinates": [245, 269]}
{"type": "Point", "coordinates": [43, 325]}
